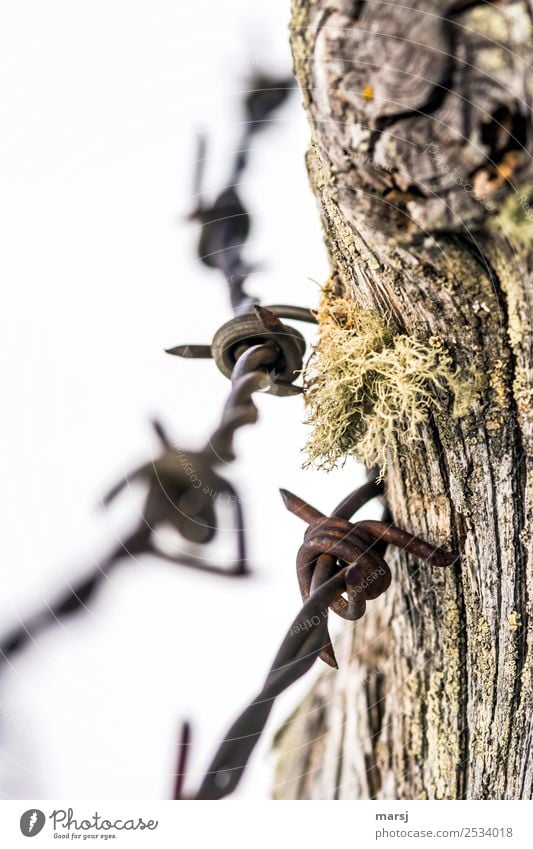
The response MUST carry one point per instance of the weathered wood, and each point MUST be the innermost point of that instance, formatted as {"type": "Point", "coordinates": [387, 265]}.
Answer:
{"type": "Point", "coordinates": [421, 160]}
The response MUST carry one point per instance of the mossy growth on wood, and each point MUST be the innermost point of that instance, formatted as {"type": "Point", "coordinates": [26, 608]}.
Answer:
{"type": "Point", "coordinates": [367, 387]}
{"type": "Point", "coordinates": [515, 218]}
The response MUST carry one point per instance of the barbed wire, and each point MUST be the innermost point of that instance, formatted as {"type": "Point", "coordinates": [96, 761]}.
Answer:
{"type": "Point", "coordinates": [340, 565]}
{"type": "Point", "coordinates": [260, 354]}
{"type": "Point", "coordinates": [183, 486]}
{"type": "Point", "coordinates": [330, 540]}
{"type": "Point", "coordinates": [225, 224]}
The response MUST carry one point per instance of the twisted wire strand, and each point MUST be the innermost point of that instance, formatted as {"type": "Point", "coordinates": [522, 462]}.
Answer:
{"type": "Point", "coordinates": [340, 564]}
{"type": "Point", "coordinates": [225, 224]}
{"type": "Point", "coordinates": [165, 482]}
{"type": "Point", "coordinates": [302, 644]}
{"type": "Point", "coordinates": [337, 557]}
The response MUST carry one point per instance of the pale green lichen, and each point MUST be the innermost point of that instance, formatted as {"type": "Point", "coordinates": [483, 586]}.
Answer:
{"type": "Point", "coordinates": [515, 620]}
{"type": "Point", "coordinates": [301, 34]}
{"type": "Point", "coordinates": [514, 220]}
{"type": "Point", "coordinates": [491, 22]}
{"type": "Point", "coordinates": [445, 695]}
{"type": "Point", "coordinates": [483, 673]}
{"type": "Point", "coordinates": [367, 387]}
{"type": "Point", "coordinates": [518, 318]}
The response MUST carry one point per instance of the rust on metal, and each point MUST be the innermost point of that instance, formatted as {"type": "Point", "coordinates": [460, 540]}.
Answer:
{"type": "Point", "coordinates": [258, 327]}
{"type": "Point", "coordinates": [333, 542]}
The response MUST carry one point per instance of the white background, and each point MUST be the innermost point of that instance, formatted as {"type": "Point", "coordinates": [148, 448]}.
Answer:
{"type": "Point", "coordinates": [100, 104]}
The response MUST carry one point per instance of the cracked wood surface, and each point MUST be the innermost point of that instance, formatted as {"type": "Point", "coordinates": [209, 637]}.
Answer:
{"type": "Point", "coordinates": [420, 157]}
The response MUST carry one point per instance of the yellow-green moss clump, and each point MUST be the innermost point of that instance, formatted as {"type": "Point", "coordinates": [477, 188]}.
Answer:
{"type": "Point", "coordinates": [515, 218]}
{"type": "Point", "coordinates": [366, 386]}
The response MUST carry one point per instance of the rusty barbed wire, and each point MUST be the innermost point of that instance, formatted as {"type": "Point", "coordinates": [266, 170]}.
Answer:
{"type": "Point", "coordinates": [262, 326]}
{"type": "Point", "coordinates": [172, 499]}
{"type": "Point", "coordinates": [259, 353]}
{"type": "Point", "coordinates": [255, 350]}
{"type": "Point", "coordinates": [225, 224]}
{"type": "Point", "coordinates": [340, 565]}
{"type": "Point", "coordinates": [337, 559]}
{"type": "Point", "coordinates": [298, 651]}
{"type": "Point", "coordinates": [331, 541]}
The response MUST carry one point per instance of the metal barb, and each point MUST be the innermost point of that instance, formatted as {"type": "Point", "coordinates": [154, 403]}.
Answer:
{"type": "Point", "coordinates": [332, 543]}
{"type": "Point", "coordinates": [261, 326]}
{"type": "Point", "coordinates": [225, 224]}
{"type": "Point", "coordinates": [182, 487]}
{"type": "Point", "coordinates": [338, 556]}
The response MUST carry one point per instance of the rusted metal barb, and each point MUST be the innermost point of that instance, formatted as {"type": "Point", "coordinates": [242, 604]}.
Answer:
{"type": "Point", "coordinates": [183, 490]}
{"type": "Point", "coordinates": [260, 327]}
{"type": "Point", "coordinates": [225, 223]}
{"type": "Point", "coordinates": [341, 555]}
{"type": "Point", "coordinates": [333, 542]}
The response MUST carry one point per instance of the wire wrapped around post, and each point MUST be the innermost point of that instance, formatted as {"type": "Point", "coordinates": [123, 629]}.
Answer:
{"type": "Point", "coordinates": [354, 568]}
{"type": "Point", "coordinates": [331, 542]}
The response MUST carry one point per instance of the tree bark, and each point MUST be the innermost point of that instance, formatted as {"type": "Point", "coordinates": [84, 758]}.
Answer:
{"type": "Point", "coordinates": [420, 157]}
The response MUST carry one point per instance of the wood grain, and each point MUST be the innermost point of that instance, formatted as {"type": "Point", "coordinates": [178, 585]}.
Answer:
{"type": "Point", "coordinates": [434, 698]}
